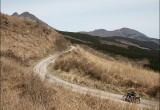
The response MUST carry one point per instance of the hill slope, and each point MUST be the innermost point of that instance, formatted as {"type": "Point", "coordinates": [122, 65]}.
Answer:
{"type": "Point", "coordinates": [23, 37]}
{"type": "Point", "coordinates": [22, 43]}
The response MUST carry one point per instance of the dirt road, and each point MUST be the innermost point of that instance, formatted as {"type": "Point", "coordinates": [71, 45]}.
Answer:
{"type": "Point", "coordinates": [41, 70]}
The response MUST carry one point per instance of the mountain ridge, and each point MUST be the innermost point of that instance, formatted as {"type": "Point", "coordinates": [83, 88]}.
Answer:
{"type": "Point", "coordinates": [28, 15]}
{"type": "Point", "coordinates": [123, 32]}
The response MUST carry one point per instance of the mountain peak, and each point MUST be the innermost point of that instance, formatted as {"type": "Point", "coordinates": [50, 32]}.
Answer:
{"type": "Point", "coordinates": [100, 30]}
{"type": "Point", "coordinates": [126, 29]}
{"type": "Point", "coordinates": [15, 14]}
{"type": "Point", "coordinates": [26, 12]}
{"type": "Point", "coordinates": [28, 15]}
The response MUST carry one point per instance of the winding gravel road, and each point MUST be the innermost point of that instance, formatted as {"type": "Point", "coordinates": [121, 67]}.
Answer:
{"type": "Point", "coordinates": [41, 70]}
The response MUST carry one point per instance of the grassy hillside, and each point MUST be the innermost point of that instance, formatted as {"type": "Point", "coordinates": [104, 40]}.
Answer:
{"type": "Point", "coordinates": [86, 69]}
{"type": "Point", "coordinates": [132, 52]}
{"type": "Point", "coordinates": [145, 44]}
{"type": "Point", "coordinates": [24, 43]}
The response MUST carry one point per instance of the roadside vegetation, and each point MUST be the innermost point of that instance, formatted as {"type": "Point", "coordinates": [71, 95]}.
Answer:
{"type": "Point", "coordinates": [23, 43]}
{"type": "Point", "coordinates": [84, 68]}
{"type": "Point", "coordinates": [22, 90]}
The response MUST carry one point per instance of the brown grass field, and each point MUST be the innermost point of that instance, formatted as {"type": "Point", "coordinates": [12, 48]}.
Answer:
{"type": "Point", "coordinates": [22, 90]}
{"type": "Point", "coordinates": [87, 69]}
{"type": "Point", "coordinates": [23, 43]}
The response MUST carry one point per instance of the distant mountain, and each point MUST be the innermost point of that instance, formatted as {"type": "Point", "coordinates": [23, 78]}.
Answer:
{"type": "Point", "coordinates": [28, 16]}
{"type": "Point", "coordinates": [15, 14]}
{"type": "Point", "coordinates": [123, 32]}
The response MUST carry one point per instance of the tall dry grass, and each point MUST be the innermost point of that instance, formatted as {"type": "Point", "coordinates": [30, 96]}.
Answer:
{"type": "Point", "coordinates": [111, 57]}
{"type": "Point", "coordinates": [22, 90]}
{"type": "Point", "coordinates": [85, 68]}
{"type": "Point", "coordinates": [27, 40]}
{"type": "Point", "coordinates": [23, 43]}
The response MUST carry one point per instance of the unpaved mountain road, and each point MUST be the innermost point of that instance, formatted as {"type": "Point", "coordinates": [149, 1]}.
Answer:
{"type": "Point", "coordinates": [41, 70]}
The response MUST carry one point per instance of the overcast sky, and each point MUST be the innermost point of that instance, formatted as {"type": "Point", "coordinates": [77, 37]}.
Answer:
{"type": "Point", "coordinates": [88, 15]}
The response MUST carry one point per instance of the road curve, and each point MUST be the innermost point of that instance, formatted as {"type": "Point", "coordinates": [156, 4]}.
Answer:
{"type": "Point", "coordinates": [41, 70]}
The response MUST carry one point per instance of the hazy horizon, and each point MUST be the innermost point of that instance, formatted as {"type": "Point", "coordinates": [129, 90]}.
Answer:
{"type": "Point", "coordinates": [88, 15]}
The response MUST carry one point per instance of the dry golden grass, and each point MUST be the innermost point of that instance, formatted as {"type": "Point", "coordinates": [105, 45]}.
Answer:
{"type": "Point", "coordinates": [84, 68]}
{"type": "Point", "coordinates": [21, 90]}
{"type": "Point", "coordinates": [23, 43]}
{"type": "Point", "coordinates": [112, 43]}
{"type": "Point", "coordinates": [111, 57]}
{"type": "Point", "coordinates": [26, 40]}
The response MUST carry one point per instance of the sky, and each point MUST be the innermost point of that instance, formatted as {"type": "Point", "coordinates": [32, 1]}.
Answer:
{"type": "Point", "coordinates": [88, 15]}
